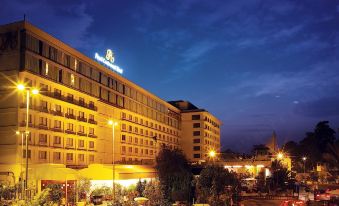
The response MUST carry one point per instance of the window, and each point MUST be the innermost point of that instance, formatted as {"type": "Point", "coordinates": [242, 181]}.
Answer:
{"type": "Point", "coordinates": [70, 126]}
{"type": "Point", "coordinates": [43, 105]}
{"type": "Point", "coordinates": [57, 140]}
{"type": "Point", "coordinates": [57, 124]}
{"type": "Point", "coordinates": [43, 155]}
{"type": "Point", "coordinates": [57, 92]}
{"type": "Point", "coordinates": [91, 144]}
{"type": "Point", "coordinates": [196, 148]}
{"type": "Point", "coordinates": [81, 143]}
{"type": "Point", "coordinates": [81, 129]}
{"type": "Point", "coordinates": [81, 114]}
{"type": "Point", "coordinates": [196, 125]}
{"type": "Point", "coordinates": [196, 156]}
{"type": "Point", "coordinates": [70, 97]}
{"type": "Point", "coordinates": [57, 155]}
{"type": "Point", "coordinates": [57, 108]}
{"type": "Point", "coordinates": [196, 117]}
{"type": "Point", "coordinates": [123, 138]}
{"type": "Point", "coordinates": [196, 133]}
{"type": "Point", "coordinates": [42, 138]}
{"type": "Point", "coordinates": [196, 140]}
{"type": "Point", "coordinates": [69, 142]}
{"type": "Point", "coordinates": [91, 131]}
{"type": "Point", "coordinates": [69, 157]}
{"type": "Point", "coordinates": [81, 157]}
{"type": "Point", "coordinates": [136, 140]}
{"type": "Point", "coordinates": [136, 150]}
{"type": "Point", "coordinates": [123, 127]}
{"type": "Point", "coordinates": [91, 117]}
{"type": "Point", "coordinates": [123, 149]}
{"type": "Point", "coordinates": [43, 121]}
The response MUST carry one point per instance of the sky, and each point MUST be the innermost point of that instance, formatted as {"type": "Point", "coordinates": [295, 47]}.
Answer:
{"type": "Point", "coordinates": [258, 66]}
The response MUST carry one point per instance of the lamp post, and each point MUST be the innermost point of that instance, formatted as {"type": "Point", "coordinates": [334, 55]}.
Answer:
{"type": "Point", "coordinates": [113, 124]}
{"type": "Point", "coordinates": [34, 91]}
{"type": "Point", "coordinates": [21, 159]}
{"type": "Point", "coordinates": [304, 160]}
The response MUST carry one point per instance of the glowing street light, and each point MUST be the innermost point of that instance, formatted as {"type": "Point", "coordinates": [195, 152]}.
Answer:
{"type": "Point", "coordinates": [212, 154]}
{"type": "Point", "coordinates": [20, 87]}
{"type": "Point", "coordinates": [280, 155]}
{"type": "Point", "coordinates": [113, 124]}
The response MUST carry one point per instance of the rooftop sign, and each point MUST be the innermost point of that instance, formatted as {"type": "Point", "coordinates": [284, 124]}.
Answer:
{"type": "Point", "coordinates": [108, 61]}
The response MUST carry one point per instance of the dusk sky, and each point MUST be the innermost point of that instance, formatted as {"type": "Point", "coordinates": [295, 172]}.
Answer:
{"type": "Point", "coordinates": [257, 65]}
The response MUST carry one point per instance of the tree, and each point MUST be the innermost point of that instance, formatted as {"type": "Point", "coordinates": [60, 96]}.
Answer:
{"type": "Point", "coordinates": [140, 187]}
{"type": "Point", "coordinates": [324, 135]}
{"type": "Point", "coordinates": [174, 174]}
{"type": "Point", "coordinates": [332, 155]}
{"type": "Point", "coordinates": [154, 193]}
{"type": "Point", "coordinates": [280, 176]}
{"type": "Point", "coordinates": [83, 188]}
{"type": "Point", "coordinates": [55, 193]}
{"type": "Point", "coordinates": [212, 183]}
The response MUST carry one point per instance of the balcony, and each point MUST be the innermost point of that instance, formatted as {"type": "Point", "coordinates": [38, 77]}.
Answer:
{"type": "Point", "coordinates": [70, 116]}
{"type": "Point", "coordinates": [56, 129]}
{"type": "Point", "coordinates": [81, 133]}
{"type": "Point", "coordinates": [42, 126]}
{"type": "Point", "coordinates": [57, 113]}
{"type": "Point", "coordinates": [23, 124]}
{"type": "Point", "coordinates": [43, 109]}
{"type": "Point", "coordinates": [92, 135]}
{"type": "Point", "coordinates": [92, 121]}
{"type": "Point", "coordinates": [82, 119]}
{"type": "Point", "coordinates": [68, 131]}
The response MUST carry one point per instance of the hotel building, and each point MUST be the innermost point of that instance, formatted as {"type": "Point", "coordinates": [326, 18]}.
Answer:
{"type": "Point", "coordinates": [68, 119]}
{"type": "Point", "coordinates": [200, 131]}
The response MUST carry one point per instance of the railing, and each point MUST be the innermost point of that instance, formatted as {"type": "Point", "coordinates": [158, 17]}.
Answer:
{"type": "Point", "coordinates": [92, 121]}
{"type": "Point", "coordinates": [81, 133]}
{"type": "Point", "coordinates": [70, 116]}
{"type": "Point", "coordinates": [57, 113]}
{"type": "Point", "coordinates": [92, 135]}
{"type": "Point", "coordinates": [42, 126]}
{"type": "Point", "coordinates": [70, 100]}
{"type": "Point", "coordinates": [68, 131]}
{"type": "Point", "coordinates": [82, 119]}
{"type": "Point", "coordinates": [56, 129]}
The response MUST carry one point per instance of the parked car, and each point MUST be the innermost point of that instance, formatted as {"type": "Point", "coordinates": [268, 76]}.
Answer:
{"type": "Point", "coordinates": [321, 195]}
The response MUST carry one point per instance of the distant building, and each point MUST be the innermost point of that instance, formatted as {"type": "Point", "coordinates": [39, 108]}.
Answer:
{"type": "Point", "coordinates": [200, 131]}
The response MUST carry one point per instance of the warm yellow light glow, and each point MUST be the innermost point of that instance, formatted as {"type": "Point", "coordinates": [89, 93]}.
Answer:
{"type": "Point", "coordinates": [20, 87]}
{"type": "Point", "coordinates": [304, 158]}
{"type": "Point", "coordinates": [17, 132]}
{"type": "Point", "coordinates": [111, 122]}
{"type": "Point", "coordinates": [35, 91]}
{"type": "Point", "coordinates": [212, 153]}
{"type": "Point", "coordinates": [260, 166]}
{"type": "Point", "coordinates": [280, 155]}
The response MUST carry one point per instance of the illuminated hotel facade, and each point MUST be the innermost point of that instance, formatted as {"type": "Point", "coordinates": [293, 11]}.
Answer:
{"type": "Point", "coordinates": [67, 120]}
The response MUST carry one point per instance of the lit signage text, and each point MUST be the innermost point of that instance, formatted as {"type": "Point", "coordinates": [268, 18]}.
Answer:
{"type": "Point", "coordinates": [108, 61]}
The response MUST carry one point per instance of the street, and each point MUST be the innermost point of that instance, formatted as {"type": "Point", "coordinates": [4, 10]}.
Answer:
{"type": "Point", "coordinates": [261, 202]}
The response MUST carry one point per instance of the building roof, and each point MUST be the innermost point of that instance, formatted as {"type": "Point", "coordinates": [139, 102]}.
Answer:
{"type": "Point", "coordinates": [186, 106]}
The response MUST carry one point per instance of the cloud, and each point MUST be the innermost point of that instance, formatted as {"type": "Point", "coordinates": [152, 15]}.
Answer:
{"type": "Point", "coordinates": [317, 80]}
{"type": "Point", "coordinates": [68, 21]}
{"type": "Point", "coordinates": [319, 108]}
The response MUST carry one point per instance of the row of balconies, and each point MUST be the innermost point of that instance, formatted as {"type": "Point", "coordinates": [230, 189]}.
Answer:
{"type": "Point", "coordinates": [160, 130]}
{"type": "Point", "coordinates": [61, 146]}
{"type": "Point", "coordinates": [61, 114]}
{"type": "Point", "coordinates": [57, 129]}
{"type": "Point", "coordinates": [69, 100]}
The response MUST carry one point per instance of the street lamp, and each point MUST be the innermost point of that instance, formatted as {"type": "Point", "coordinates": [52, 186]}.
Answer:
{"type": "Point", "coordinates": [280, 156]}
{"type": "Point", "coordinates": [212, 154]}
{"type": "Point", "coordinates": [304, 160]}
{"type": "Point", "coordinates": [113, 124]}
{"type": "Point", "coordinates": [34, 91]}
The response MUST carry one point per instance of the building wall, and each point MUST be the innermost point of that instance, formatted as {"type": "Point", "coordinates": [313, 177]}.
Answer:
{"type": "Point", "coordinates": [200, 134]}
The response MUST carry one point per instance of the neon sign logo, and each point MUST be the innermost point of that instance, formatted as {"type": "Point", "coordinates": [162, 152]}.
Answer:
{"type": "Point", "coordinates": [110, 56]}
{"type": "Point", "coordinates": [108, 61]}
